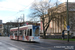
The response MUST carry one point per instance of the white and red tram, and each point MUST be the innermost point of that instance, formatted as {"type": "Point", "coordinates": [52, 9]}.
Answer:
{"type": "Point", "coordinates": [26, 33]}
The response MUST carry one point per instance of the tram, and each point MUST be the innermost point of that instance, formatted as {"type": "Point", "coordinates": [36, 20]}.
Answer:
{"type": "Point", "coordinates": [25, 33]}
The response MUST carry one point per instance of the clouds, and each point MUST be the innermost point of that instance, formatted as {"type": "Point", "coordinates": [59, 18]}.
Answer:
{"type": "Point", "coordinates": [66, 0]}
{"type": "Point", "coordinates": [10, 7]}
{"type": "Point", "coordinates": [6, 19]}
{"type": "Point", "coordinates": [14, 5]}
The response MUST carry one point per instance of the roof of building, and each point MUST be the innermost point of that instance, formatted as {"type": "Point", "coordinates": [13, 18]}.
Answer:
{"type": "Point", "coordinates": [63, 7]}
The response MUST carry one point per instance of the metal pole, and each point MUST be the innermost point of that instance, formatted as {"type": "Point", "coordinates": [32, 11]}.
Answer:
{"type": "Point", "coordinates": [23, 19]}
{"type": "Point", "coordinates": [56, 3]}
{"type": "Point", "coordinates": [18, 30]}
{"type": "Point", "coordinates": [67, 21]}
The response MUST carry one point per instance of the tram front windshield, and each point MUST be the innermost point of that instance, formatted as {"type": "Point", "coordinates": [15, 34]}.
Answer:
{"type": "Point", "coordinates": [36, 32]}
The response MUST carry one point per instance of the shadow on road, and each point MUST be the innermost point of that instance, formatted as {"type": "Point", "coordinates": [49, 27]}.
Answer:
{"type": "Point", "coordinates": [27, 41]}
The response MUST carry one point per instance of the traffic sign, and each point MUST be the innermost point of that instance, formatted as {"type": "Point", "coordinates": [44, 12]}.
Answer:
{"type": "Point", "coordinates": [68, 28]}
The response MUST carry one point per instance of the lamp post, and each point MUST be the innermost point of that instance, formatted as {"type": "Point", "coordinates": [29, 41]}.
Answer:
{"type": "Point", "coordinates": [18, 28]}
{"type": "Point", "coordinates": [67, 22]}
{"type": "Point", "coordinates": [23, 19]}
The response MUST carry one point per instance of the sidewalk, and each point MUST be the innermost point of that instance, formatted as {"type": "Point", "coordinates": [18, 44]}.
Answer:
{"type": "Point", "coordinates": [56, 41]}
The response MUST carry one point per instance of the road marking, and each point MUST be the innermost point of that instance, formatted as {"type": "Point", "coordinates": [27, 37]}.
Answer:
{"type": "Point", "coordinates": [0, 43]}
{"type": "Point", "coordinates": [13, 45]}
{"type": "Point", "coordinates": [12, 48]}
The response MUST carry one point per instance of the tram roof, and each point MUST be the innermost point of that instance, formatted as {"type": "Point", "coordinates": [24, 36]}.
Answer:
{"type": "Point", "coordinates": [21, 27]}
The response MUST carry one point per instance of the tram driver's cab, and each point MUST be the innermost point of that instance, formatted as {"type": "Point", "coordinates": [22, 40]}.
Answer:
{"type": "Point", "coordinates": [36, 33]}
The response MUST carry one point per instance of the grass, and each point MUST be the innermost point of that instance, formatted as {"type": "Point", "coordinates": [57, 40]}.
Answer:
{"type": "Point", "coordinates": [64, 39]}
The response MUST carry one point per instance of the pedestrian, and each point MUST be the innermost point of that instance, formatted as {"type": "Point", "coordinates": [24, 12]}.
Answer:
{"type": "Point", "coordinates": [63, 34]}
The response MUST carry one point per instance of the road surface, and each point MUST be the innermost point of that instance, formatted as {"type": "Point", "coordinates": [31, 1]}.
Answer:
{"type": "Point", "coordinates": [7, 44]}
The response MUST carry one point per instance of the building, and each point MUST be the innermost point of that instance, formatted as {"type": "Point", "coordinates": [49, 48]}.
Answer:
{"type": "Point", "coordinates": [58, 24]}
{"type": "Point", "coordinates": [1, 28]}
{"type": "Point", "coordinates": [8, 25]}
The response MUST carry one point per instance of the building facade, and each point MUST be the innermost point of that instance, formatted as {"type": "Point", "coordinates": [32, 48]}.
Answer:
{"type": "Point", "coordinates": [8, 25]}
{"type": "Point", "coordinates": [1, 28]}
{"type": "Point", "coordinates": [58, 24]}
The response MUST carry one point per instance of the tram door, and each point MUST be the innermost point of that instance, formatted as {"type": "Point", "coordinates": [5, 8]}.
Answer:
{"type": "Point", "coordinates": [13, 35]}
{"type": "Point", "coordinates": [23, 34]}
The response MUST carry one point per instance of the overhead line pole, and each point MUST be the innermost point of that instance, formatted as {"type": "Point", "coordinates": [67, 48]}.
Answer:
{"type": "Point", "coordinates": [18, 29]}
{"type": "Point", "coordinates": [23, 19]}
{"type": "Point", "coordinates": [67, 22]}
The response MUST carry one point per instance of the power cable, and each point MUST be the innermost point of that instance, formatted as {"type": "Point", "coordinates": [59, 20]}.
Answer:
{"type": "Point", "coordinates": [22, 9]}
{"type": "Point", "coordinates": [6, 8]}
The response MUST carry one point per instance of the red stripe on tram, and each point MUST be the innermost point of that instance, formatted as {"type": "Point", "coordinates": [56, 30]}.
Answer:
{"type": "Point", "coordinates": [27, 37]}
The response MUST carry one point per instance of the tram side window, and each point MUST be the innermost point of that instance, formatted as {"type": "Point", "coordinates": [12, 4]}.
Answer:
{"type": "Point", "coordinates": [15, 33]}
{"type": "Point", "coordinates": [30, 32]}
{"type": "Point", "coordinates": [25, 32]}
{"type": "Point", "coordinates": [21, 31]}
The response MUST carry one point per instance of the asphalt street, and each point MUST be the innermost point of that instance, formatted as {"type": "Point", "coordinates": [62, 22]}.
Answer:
{"type": "Point", "coordinates": [7, 44]}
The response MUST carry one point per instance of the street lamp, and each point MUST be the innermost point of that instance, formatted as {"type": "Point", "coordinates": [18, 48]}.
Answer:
{"type": "Point", "coordinates": [68, 27]}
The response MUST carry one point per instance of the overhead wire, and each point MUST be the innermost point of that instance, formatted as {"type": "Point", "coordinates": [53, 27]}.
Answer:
{"type": "Point", "coordinates": [22, 9]}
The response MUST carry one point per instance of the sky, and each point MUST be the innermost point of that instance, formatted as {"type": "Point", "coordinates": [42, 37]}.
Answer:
{"type": "Point", "coordinates": [12, 9]}
{"type": "Point", "coordinates": [9, 9]}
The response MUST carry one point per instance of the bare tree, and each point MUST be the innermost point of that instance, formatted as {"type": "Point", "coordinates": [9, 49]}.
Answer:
{"type": "Point", "coordinates": [72, 21]}
{"type": "Point", "coordinates": [42, 9]}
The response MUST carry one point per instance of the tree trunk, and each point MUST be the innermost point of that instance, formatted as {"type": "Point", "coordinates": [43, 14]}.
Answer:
{"type": "Point", "coordinates": [44, 34]}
